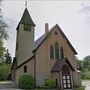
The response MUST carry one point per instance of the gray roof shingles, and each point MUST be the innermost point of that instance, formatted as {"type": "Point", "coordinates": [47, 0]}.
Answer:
{"type": "Point", "coordinates": [39, 41]}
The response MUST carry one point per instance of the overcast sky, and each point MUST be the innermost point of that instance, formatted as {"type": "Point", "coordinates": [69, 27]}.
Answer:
{"type": "Point", "coordinates": [73, 17]}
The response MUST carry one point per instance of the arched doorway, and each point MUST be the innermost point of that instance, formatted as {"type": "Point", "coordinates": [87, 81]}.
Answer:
{"type": "Point", "coordinates": [66, 78]}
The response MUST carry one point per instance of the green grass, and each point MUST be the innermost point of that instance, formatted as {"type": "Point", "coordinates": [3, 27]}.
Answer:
{"type": "Point", "coordinates": [80, 88]}
{"type": "Point", "coordinates": [85, 79]}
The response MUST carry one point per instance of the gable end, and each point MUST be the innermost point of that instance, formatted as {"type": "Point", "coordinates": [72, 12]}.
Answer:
{"type": "Point", "coordinates": [43, 37]}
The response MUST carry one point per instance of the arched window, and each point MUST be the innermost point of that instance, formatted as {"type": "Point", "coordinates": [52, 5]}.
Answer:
{"type": "Point", "coordinates": [51, 52]}
{"type": "Point", "coordinates": [61, 52]}
{"type": "Point", "coordinates": [25, 69]}
{"type": "Point", "coordinates": [56, 50]}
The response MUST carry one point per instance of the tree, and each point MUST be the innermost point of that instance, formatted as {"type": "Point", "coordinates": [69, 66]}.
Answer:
{"type": "Point", "coordinates": [87, 58]}
{"type": "Point", "coordinates": [8, 57]}
{"type": "Point", "coordinates": [86, 62]}
{"type": "Point", "coordinates": [79, 64]}
{"type": "Point", "coordinates": [86, 67]}
{"type": "Point", "coordinates": [3, 26]}
{"type": "Point", "coordinates": [2, 50]}
{"type": "Point", "coordinates": [5, 70]}
{"type": "Point", "coordinates": [3, 35]}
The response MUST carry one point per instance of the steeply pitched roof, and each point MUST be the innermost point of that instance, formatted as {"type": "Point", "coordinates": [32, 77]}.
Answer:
{"type": "Point", "coordinates": [39, 41]}
{"type": "Point", "coordinates": [59, 64]}
{"type": "Point", "coordinates": [26, 19]}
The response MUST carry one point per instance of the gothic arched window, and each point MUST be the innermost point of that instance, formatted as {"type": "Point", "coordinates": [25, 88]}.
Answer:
{"type": "Point", "coordinates": [56, 50]}
{"type": "Point", "coordinates": [61, 52]}
{"type": "Point", "coordinates": [51, 52]}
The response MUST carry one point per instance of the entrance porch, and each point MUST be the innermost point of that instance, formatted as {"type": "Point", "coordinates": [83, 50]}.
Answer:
{"type": "Point", "coordinates": [62, 74]}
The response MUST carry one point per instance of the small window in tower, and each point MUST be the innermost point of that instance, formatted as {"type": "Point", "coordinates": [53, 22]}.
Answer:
{"type": "Point", "coordinates": [25, 69]}
{"type": "Point", "coordinates": [27, 27]}
{"type": "Point", "coordinates": [56, 33]}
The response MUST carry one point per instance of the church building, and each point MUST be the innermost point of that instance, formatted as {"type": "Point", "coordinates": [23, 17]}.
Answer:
{"type": "Point", "coordinates": [50, 56]}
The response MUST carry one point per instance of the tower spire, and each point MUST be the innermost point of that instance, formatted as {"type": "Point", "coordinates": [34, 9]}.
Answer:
{"type": "Point", "coordinates": [26, 4]}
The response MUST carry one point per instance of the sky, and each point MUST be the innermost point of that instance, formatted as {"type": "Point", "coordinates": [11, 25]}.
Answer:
{"type": "Point", "coordinates": [72, 16]}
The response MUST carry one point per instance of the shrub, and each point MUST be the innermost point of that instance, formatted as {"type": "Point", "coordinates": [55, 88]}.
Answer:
{"type": "Point", "coordinates": [4, 71]}
{"type": "Point", "coordinates": [26, 82]}
{"type": "Point", "coordinates": [87, 75]}
{"type": "Point", "coordinates": [49, 83]}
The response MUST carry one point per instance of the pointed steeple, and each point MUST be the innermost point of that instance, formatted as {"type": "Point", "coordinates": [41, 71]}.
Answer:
{"type": "Point", "coordinates": [26, 18]}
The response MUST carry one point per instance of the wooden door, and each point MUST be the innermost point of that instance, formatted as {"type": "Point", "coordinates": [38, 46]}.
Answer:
{"type": "Point", "coordinates": [66, 78]}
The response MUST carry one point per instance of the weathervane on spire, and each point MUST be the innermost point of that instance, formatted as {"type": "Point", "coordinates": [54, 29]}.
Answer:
{"type": "Point", "coordinates": [26, 4]}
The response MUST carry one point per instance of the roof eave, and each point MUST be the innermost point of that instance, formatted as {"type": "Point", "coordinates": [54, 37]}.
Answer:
{"type": "Point", "coordinates": [25, 62]}
{"type": "Point", "coordinates": [22, 23]}
{"type": "Point", "coordinates": [74, 51]}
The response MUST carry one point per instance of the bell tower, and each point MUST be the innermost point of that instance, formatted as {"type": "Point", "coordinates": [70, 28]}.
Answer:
{"type": "Point", "coordinates": [25, 38]}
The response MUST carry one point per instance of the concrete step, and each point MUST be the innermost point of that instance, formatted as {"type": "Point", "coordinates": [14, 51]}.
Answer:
{"type": "Point", "coordinates": [7, 84]}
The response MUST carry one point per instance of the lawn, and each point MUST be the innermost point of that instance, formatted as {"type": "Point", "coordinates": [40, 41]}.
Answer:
{"type": "Point", "coordinates": [80, 88]}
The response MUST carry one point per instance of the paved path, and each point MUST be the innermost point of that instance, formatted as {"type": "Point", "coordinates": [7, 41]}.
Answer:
{"type": "Point", "coordinates": [87, 84]}
{"type": "Point", "coordinates": [7, 84]}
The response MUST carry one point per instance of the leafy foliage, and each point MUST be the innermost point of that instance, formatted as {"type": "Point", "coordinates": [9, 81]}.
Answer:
{"type": "Point", "coordinates": [5, 70]}
{"type": "Point", "coordinates": [3, 35]}
{"type": "Point", "coordinates": [8, 57]}
{"type": "Point", "coordinates": [49, 83]}
{"type": "Point", "coordinates": [79, 64]}
{"type": "Point", "coordinates": [3, 27]}
{"type": "Point", "coordinates": [26, 82]}
{"type": "Point", "coordinates": [80, 88]}
{"type": "Point", "coordinates": [84, 67]}
{"type": "Point", "coordinates": [2, 50]}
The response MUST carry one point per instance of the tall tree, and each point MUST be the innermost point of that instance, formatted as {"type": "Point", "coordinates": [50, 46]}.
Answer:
{"type": "Point", "coordinates": [87, 58]}
{"type": "Point", "coordinates": [2, 50]}
{"type": "Point", "coordinates": [8, 57]}
{"type": "Point", "coordinates": [86, 62]}
{"type": "Point", "coordinates": [3, 34]}
{"type": "Point", "coordinates": [79, 64]}
{"type": "Point", "coordinates": [3, 26]}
